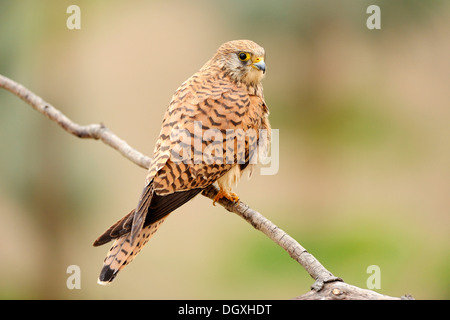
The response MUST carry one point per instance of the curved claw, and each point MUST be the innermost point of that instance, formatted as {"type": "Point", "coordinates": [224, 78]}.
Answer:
{"type": "Point", "coordinates": [233, 197]}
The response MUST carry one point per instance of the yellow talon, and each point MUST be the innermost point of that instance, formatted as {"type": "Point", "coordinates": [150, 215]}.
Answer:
{"type": "Point", "coordinates": [229, 195]}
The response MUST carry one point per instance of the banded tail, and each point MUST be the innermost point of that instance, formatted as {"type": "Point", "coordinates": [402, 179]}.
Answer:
{"type": "Point", "coordinates": [134, 230]}
{"type": "Point", "coordinates": [123, 251]}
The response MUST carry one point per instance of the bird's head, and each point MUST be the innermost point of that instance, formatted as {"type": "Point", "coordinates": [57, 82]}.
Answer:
{"type": "Point", "coordinates": [242, 60]}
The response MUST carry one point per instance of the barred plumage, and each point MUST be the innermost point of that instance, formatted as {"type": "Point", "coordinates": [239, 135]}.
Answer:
{"type": "Point", "coordinates": [209, 116]}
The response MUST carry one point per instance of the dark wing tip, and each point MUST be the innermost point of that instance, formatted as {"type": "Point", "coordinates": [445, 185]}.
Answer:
{"type": "Point", "coordinates": [118, 229]}
{"type": "Point", "coordinates": [101, 240]}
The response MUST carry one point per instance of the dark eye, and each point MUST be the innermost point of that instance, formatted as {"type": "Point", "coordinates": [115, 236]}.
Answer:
{"type": "Point", "coordinates": [244, 56]}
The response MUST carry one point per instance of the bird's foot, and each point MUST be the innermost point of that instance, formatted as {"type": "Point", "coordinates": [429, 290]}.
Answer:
{"type": "Point", "coordinates": [233, 197]}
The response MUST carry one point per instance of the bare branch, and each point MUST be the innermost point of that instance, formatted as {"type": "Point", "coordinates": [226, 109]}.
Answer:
{"type": "Point", "coordinates": [92, 131]}
{"type": "Point", "coordinates": [315, 269]}
{"type": "Point", "coordinates": [345, 291]}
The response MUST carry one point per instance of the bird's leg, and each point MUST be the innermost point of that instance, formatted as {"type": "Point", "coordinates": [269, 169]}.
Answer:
{"type": "Point", "coordinates": [233, 197]}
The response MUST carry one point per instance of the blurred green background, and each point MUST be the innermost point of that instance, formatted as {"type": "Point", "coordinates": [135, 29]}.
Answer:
{"type": "Point", "coordinates": [364, 175]}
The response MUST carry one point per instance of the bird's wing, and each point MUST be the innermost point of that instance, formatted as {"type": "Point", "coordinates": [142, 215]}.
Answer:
{"type": "Point", "coordinates": [160, 206]}
{"type": "Point", "coordinates": [202, 103]}
{"type": "Point", "coordinates": [214, 111]}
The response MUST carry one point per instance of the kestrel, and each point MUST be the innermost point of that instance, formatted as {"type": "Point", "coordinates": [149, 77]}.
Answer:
{"type": "Point", "coordinates": [223, 99]}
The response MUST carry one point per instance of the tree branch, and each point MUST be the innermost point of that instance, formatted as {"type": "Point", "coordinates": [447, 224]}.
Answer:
{"type": "Point", "coordinates": [92, 131]}
{"type": "Point", "coordinates": [323, 278]}
{"type": "Point", "coordinates": [315, 269]}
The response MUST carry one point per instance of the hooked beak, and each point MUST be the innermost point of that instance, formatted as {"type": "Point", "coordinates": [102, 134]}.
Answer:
{"type": "Point", "coordinates": [259, 64]}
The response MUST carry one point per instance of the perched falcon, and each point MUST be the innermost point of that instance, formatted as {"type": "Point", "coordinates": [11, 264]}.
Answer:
{"type": "Point", "coordinates": [209, 114]}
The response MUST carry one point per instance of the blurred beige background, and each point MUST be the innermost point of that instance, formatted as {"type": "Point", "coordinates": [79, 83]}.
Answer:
{"type": "Point", "coordinates": [363, 115]}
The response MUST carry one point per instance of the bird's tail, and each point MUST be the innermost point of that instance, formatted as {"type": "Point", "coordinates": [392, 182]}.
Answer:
{"type": "Point", "coordinates": [123, 252]}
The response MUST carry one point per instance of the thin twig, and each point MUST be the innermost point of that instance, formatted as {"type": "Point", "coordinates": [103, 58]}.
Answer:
{"type": "Point", "coordinates": [92, 131]}
{"type": "Point", "coordinates": [315, 269]}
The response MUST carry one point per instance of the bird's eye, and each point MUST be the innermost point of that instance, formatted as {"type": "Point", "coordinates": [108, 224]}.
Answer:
{"type": "Point", "coordinates": [244, 56]}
